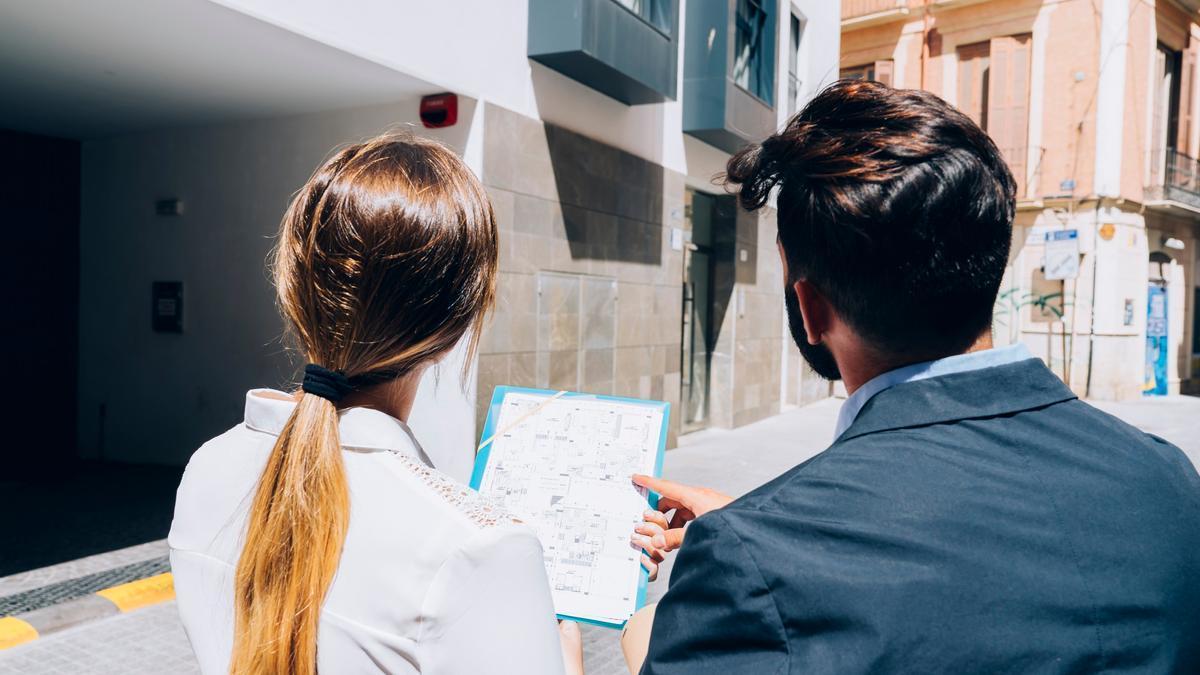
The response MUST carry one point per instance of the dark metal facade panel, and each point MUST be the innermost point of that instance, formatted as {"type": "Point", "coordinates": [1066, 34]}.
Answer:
{"type": "Point", "coordinates": [607, 47]}
{"type": "Point", "coordinates": [715, 109]}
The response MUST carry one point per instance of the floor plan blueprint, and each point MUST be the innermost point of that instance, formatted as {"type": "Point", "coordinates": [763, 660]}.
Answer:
{"type": "Point", "coordinates": [563, 464]}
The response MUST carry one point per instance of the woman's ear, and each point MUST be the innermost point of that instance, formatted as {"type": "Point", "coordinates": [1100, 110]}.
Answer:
{"type": "Point", "coordinates": [814, 310]}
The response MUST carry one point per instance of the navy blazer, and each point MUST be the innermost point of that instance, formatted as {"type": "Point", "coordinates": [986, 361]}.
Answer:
{"type": "Point", "coordinates": [979, 522]}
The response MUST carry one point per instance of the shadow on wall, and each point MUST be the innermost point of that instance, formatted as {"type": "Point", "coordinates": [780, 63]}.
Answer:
{"type": "Point", "coordinates": [725, 268]}
{"type": "Point", "coordinates": [612, 201]}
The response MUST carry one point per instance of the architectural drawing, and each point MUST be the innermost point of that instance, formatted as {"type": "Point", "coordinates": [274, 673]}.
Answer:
{"type": "Point", "coordinates": [566, 471]}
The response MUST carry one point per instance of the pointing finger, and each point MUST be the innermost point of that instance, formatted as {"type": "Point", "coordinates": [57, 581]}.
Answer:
{"type": "Point", "coordinates": [663, 487]}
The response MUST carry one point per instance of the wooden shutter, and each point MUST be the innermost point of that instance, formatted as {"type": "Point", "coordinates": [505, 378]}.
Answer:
{"type": "Point", "coordinates": [883, 72]}
{"type": "Point", "coordinates": [1161, 103]}
{"type": "Point", "coordinates": [1008, 102]}
{"type": "Point", "coordinates": [973, 64]}
{"type": "Point", "coordinates": [1187, 76]}
{"type": "Point", "coordinates": [932, 75]}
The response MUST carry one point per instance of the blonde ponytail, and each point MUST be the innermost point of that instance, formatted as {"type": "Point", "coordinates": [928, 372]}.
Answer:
{"type": "Point", "coordinates": [386, 259]}
{"type": "Point", "coordinates": [294, 537]}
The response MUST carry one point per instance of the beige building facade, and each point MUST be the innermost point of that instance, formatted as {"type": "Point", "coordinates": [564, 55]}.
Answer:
{"type": "Point", "coordinates": [1094, 105]}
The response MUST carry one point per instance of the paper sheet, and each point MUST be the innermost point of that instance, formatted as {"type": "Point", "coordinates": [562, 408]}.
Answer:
{"type": "Point", "coordinates": [565, 470]}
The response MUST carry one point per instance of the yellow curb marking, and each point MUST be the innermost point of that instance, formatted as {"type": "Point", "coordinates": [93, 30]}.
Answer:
{"type": "Point", "coordinates": [135, 594]}
{"type": "Point", "coordinates": [14, 631]}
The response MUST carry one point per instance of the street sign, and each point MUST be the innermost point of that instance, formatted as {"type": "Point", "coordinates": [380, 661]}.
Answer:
{"type": "Point", "coordinates": [1062, 254]}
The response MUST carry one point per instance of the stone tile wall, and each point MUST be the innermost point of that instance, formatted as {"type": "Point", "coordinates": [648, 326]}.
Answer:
{"type": "Point", "coordinates": [590, 289]}
{"type": "Point", "coordinates": [758, 317]}
{"type": "Point", "coordinates": [589, 295]}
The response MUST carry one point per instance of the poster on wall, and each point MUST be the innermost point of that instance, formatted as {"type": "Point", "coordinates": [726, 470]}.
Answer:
{"type": "Point", "coordinates": [1156, 342]}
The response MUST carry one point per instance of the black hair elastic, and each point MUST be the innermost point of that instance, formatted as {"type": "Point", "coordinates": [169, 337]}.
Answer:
{"type": "Point", "coordinates": [328, 384]}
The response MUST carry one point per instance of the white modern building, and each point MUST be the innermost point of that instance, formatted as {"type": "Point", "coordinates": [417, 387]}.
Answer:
{"type": "Point", "coordinates": [153, 145]}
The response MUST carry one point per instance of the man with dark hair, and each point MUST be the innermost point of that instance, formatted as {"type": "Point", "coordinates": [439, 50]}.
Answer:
{"type": "Point", "coordinates": [972, 515]}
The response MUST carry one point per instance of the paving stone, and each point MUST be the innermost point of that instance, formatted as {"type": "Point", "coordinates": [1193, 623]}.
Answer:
{"type": "Point", "coordinates": [144, 641]}
{"type": "Point", "coordinates": [23, 581]}
{"type": "Point", "coordinates": [70, 589]}
{"type": "Point", "coordinates": [151, 640]}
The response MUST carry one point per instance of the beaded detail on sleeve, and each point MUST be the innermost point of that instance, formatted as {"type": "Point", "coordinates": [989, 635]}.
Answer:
{"type": "Point", "coordinates": [484, 511]}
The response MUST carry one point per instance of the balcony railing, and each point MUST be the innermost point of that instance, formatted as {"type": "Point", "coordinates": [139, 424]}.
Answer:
{"type": "Point", "coordinates": [1174, 177]}
{"type": "Point", "coordinates": [862, 10]}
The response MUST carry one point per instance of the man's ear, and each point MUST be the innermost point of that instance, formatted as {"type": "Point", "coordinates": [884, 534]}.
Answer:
{"type": "Point", "coordinates": [814, 310]}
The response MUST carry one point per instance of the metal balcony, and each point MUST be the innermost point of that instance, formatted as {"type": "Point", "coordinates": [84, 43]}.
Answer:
{"type": "Point", "coordinates": [626, 50]}
{"type": "Point", "coordinates": [1174, 179]}
{"type": "Point", "coordinates": [716, 109]}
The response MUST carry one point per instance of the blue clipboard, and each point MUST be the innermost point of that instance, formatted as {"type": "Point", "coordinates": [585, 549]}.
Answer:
{"type": "Point", "coordinates": [489, 429]}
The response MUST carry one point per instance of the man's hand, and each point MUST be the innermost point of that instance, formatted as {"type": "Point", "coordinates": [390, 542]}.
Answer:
{"type": "Point", "coordinates": [658, 535]}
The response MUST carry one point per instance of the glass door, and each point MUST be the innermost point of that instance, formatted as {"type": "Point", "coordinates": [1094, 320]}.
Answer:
{"type": "Point", "coordinates": [698, 330]}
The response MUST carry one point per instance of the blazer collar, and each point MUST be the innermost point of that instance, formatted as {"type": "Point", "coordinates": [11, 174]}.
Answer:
{"type": "Point", "coordinates": [987, 392]}
{"type": "Point", "coordinates": [361, 429]}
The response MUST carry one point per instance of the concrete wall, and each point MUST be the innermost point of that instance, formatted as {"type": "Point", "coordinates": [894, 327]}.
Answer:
{"type": "Point", "coordinates": [485, 58]}
{"type": "Point", "coordinates": [756, 324]}
{"type": "Point", "coordinates": [542, 134]}
{"type": "Point", "coordinates": [155, 397]}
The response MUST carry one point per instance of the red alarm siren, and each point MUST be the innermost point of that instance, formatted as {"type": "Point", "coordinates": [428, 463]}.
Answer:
{"type": "Point", "coordinates": [439, 110]}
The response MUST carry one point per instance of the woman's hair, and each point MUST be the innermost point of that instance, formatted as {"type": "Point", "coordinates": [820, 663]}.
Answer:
{"type": "Point", "coordinates": [386, 259]}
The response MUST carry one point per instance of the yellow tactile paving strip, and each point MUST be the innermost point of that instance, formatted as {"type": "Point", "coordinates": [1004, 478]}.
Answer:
{"type": "Point", "coordinates": [135, 594]}
{"type": "Point", "coordinates": [124, 597]}
{"type": "Point", "coordinates": [14, 631]}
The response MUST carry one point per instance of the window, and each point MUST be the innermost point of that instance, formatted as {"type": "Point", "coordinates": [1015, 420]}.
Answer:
{"type": "Point", "coordinates": [993, 90]}
{"type": "Point", "coordinates": [1166, 97]}
{"type": "Point", "coordinates": [751, 67]}
{"type": "Point", "coordinates": [1172, 166]}
{"type": "Point", "coordinates": [974, 70]}
{"type": "Point", "coordinates": [657, 13]}
{"type": "Point", "coordinates": [794, 65]}
{"type": "Point", "coordinates": [866, 72]}
{"type": "Point", "coordinates": [1165, 131]}
{"type": "Point", "coordinates": [879, 71]}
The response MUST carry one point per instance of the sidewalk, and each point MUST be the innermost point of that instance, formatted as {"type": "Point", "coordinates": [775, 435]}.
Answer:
{"type": "Point", "coordinates": [733, 461]}
{"type": "Point", "coordinates": [151, 640]}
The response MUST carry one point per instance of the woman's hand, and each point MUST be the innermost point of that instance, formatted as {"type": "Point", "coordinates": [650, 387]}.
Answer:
{"type": "Point", "coordinates": [657, 535]}
{"type": "Point", "coordinates": [572, 647]}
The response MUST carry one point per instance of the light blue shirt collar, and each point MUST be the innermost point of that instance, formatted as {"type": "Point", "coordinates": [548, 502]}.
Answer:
{"type": "Point", "coordinates": [960, 363]}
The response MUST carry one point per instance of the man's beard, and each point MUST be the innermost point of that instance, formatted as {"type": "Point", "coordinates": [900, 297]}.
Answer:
{"type": "Point", "coordinates": [819, 358]}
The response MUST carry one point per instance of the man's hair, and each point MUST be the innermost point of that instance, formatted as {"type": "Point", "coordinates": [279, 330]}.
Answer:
{"type": "Point", "coordinates": [895, 206]}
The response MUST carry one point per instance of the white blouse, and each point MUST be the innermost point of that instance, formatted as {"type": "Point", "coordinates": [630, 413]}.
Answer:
{"type": "Point", "coordinates": [434, 578]}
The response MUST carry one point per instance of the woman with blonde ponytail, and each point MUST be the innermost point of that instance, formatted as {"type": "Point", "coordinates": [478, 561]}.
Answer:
{"type": "Point", "coordinates": [317, 535]}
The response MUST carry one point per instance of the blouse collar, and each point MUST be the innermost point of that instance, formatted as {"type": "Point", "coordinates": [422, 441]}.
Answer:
{"type": "Point", "coordinates": [360, 429]}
